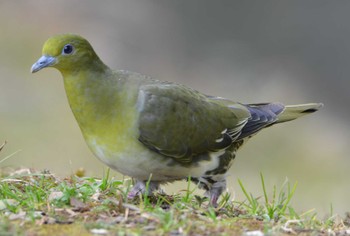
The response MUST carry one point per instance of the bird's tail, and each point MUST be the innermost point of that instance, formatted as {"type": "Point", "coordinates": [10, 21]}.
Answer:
{"type": "Point", "coordinates": [267, 114]}
{"type": "Point", "coordinates": [292, 112]}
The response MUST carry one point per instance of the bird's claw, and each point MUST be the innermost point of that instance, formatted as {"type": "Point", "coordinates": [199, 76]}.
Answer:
{"type": "Point", "coordinates": [142, 188]}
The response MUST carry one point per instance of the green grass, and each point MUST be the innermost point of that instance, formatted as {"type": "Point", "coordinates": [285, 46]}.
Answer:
{"type": "Point", "coordinates": [271, 209]}
{"type": "Point", "coordinates": [39, 203]}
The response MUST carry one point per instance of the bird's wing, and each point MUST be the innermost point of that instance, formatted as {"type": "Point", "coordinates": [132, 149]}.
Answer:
{"type": "Point", "coordinates": [178, 122]}
{"type": "Point", "coordinates": [262, 115]}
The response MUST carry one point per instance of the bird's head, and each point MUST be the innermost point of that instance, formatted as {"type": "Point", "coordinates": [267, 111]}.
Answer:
{"type": "Point", "coordinates": [67, 53]}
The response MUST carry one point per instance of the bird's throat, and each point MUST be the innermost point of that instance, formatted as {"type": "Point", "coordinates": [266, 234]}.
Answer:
{"type": "Point", "coordinates": [101, 105]}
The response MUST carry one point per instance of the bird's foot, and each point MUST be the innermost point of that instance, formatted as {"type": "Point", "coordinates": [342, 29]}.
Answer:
{"type": "Point", "coordinates": [215, 191]}
{"type": "Point", "coordinates": [142, 187]}
{"type": "Point", "coordinates": [213, 197]}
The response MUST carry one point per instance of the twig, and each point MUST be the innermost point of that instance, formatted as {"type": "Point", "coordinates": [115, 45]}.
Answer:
{"type": "Point", "coordinates": [2, 145]}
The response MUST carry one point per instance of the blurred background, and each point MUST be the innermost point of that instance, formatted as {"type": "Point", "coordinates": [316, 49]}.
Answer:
{"type": "Point", "coordinates": [249, 51]}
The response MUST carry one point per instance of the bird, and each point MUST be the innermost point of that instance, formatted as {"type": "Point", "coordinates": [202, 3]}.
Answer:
{"type": "Point", "coordinates": [156, 131]}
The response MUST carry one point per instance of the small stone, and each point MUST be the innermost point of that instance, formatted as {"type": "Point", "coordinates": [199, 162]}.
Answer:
{"type": "Point", "coordinates": [99, 231]}
{"type": "Point", "coordinates": [254, 233]}
{"type": "Point", "coordinates": [5, 202]}
{"type": "Point", "coordinates": [55, 195]}
{"type": "Point", "coordinates": [19, 216]}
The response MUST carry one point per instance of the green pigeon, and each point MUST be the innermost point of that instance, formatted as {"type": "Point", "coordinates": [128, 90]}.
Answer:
{"type": "Point", "coordinates": [154, 130]}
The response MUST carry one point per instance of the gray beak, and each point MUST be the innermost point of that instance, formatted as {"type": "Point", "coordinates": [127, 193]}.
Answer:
{"type": "Point", "coordinates": [43, 62]}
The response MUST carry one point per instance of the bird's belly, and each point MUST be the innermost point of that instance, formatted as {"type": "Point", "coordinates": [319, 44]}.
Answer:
{"type": "Point", "coordinates": [137, 161]}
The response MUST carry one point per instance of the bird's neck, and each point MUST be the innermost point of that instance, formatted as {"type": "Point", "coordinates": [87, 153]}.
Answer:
{"type": "Point", "coordinates": [99, 101]}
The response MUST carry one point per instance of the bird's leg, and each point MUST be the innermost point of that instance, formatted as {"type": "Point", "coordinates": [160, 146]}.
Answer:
{"type": "Point", "coordinates": [214, 186]}
{"type": "Point", "coordinates": [215, 191]}
{"type": "Point", "coordinates": [141, 188]}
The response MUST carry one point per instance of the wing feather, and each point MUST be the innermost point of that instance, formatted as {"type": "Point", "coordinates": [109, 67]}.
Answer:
{"type": "Point", "coordinates": [181, 123]}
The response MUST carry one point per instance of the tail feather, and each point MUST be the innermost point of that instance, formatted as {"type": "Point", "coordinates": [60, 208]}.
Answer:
{"type": "Point", "coordinates": [292, 112]}
{"type": "Point", "coordinates": [266, 114]}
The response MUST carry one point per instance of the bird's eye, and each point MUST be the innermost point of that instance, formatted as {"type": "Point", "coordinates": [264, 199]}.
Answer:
{"type": "Point", "coordinates": [67, 49]}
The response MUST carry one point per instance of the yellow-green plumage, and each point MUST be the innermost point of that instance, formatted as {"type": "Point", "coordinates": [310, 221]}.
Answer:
{"type": "Point", "coordinates": [142, 127]}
